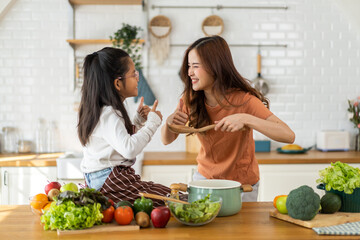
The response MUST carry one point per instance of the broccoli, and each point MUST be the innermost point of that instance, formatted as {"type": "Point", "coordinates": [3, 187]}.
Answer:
{"type": "Point", "coordinates": [303, 203]}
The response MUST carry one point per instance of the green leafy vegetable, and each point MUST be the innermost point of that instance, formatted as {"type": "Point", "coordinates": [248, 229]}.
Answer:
{"type": "Point", "coordinates": [197, 212]}
{"type": "Point", "coordinates": [341, 177]}
{"type": "Point", "coordinates": [75, 210]}
{"type": "Point", "coordinates": [84, 197]}
{"type": "Point", "coordinates": [70, 216]}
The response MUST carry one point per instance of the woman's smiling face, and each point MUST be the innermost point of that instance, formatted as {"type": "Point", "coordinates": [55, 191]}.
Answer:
{"type": "Point", "coordinates": [200, 78]}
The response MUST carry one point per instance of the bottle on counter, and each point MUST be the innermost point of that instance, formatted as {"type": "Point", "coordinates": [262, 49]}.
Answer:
{"type": "Point", "coordinates": [40, 136]}
{"type": "Point", "coordinates": [52, 137]}
{"type": "Point", "coordinates": [11, 138]}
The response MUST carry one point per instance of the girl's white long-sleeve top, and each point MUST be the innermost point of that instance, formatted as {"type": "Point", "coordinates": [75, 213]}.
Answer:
{"type": "Point", "coordinates": [111, 145]}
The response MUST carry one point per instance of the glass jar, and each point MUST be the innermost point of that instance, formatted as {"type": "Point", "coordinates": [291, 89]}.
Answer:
{"type": "Point", "coordinates": [24, 146]}
{"type": "Point", "coordinates": [11, 139]}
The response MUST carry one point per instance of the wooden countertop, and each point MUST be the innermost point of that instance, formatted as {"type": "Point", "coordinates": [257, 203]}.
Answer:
{"type": "Point", "coordinates": [311, 157]}
{"type": "Point", "coordinates": [185, 158]}
{"type": "Point", "coordinates": [29, 159]}
{"type": "Point", "coordinates": [252, 222]}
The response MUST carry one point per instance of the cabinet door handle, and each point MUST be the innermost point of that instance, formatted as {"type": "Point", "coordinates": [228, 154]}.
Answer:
{"type": "Point", "coordinates": [6, 178]}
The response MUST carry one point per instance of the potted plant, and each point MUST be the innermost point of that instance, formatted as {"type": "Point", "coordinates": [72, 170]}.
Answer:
{"type": "Point", "coordinates": [127, 39]}
{"type": "Point", "coordinates": [354, 117]}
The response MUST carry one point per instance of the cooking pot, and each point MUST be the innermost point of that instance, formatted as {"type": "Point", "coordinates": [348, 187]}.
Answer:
{"type": "Point", "coordinates": [349, 202]}
{"type": "Point", "coordinates": [229, 191]}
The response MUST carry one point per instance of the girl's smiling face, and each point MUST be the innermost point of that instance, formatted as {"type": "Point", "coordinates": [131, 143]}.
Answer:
{"type": "Point", "coordinates": [200, 78]}
{"type": "Point", "coordinates": [128, 84]}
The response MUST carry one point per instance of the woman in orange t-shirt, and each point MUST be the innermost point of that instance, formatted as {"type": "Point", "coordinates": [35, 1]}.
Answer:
{"type": "Point", "coordinates": [215, 92]}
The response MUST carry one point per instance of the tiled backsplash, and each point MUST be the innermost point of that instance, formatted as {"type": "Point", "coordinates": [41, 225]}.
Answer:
{"type": "Point", "coordinates": [310, 80]}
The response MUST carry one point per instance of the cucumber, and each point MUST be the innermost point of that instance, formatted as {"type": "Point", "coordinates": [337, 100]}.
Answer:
{"type": "Point", "coordinates": [330, 203]}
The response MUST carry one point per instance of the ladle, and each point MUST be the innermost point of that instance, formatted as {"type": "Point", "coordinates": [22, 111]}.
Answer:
{"type": "Point", "coordinates": [155, 196]}
{"type": "Point", "coordinates": [186, 129]}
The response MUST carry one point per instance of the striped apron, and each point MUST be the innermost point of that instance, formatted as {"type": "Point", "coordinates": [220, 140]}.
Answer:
{"type": "Point", "coordinates": [124, 185]}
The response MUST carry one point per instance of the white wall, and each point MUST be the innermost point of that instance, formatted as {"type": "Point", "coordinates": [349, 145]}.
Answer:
{"type": "Point", "coordinates": [310, 80]}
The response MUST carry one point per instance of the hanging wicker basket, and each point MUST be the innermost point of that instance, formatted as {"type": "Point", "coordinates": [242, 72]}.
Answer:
{"type": "Point", "coordinates": [213, 25]}
{"type": "Point", "coordinates": [160, 26]}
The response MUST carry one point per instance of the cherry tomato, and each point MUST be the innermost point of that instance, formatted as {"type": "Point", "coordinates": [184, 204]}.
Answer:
{"type": "Point", "coordinates": [276, 198]}
{"type": "Point", "coordinates": [124, 215]}
{"type": "Point", "coordinates": [108, 214]}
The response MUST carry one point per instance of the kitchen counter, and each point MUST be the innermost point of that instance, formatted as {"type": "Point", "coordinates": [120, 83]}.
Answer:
{"type": "Point", "coordinates": [253, 222]}
{"type": "Point", "coordinates": [273, 157]}
{"type": "Point", "coordinates": [29, 159]}
{"type": "Point", "coordinates": [185, 158]}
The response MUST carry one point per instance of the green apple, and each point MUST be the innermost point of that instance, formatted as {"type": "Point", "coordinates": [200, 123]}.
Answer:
{"type": "Point", "coordinates": [69, 187]}
{"type": "Point", "coordinates": [281, 205]}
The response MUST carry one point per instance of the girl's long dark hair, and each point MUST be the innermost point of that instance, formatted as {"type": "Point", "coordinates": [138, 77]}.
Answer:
{"type": "Point", "coordinates": [216, 58]}
{"type": "Point", "coordinates": [101, 68]}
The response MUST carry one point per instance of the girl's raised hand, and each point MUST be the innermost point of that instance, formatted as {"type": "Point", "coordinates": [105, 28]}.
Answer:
{"type": "Point", "coordinates": [231, 123]}
{"type": "Point", "coordinates": [178, 117]}
{"type": "Point", "coordinates": [153, 109]}
{"type": "Point", "coordinates": [143, 110]}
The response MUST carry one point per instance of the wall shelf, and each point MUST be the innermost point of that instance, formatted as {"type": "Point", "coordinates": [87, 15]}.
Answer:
{"type": "Point", "coordinates": [106, 2]}
{"type": "Point", "coordinates": [75, 42]}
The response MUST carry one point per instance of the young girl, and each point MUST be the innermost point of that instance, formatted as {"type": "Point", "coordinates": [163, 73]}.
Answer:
{"type": "Point", "coordinates": [110, 141]}
{"type": "Point", "coordinates": [216, 93]}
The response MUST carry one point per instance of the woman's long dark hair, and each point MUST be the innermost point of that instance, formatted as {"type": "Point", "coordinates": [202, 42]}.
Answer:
{"type": "Point", "coordinates": [216, 58]}
{"type": "Point", "coordinates": [101, 68]}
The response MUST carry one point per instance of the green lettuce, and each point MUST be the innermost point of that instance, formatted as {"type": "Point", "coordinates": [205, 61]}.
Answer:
{"type": "Point", "coordinates": [341, 177]}
{"type": "Point", "coordinates": [67, 215]}
{"type": "Point", "coordinates": [196, 212]}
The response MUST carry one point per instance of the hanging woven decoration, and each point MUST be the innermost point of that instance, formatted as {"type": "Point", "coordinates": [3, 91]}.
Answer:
{"type": "Point", "coordinates": [213, 25]}
{"type": "Point", "coordinates": [160, 28]}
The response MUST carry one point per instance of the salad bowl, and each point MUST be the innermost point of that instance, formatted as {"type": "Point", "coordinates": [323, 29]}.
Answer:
{"type": "Point", "coordinates": [197, 213]}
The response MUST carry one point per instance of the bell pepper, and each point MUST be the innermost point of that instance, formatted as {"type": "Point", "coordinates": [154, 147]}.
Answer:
{"type": "Point", "coordinates": [143, 205]}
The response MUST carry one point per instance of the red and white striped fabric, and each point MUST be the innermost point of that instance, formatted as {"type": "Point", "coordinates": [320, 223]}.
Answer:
{"type": "Point", "coordinates": [124, 185]}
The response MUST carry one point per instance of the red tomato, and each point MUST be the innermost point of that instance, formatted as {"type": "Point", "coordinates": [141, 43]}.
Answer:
{"type": "Point", "coordinates": [108, 215]}
{"type": "Point", "coordinates": [124, 215]}
{"type": "Point", "coordinates": [112, 202]}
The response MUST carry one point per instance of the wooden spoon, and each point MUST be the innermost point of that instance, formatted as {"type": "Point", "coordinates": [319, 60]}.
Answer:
{"type": "Point", "coordinates": [185, 129]}
{"type": "Point", "coordinates": [155, 196]}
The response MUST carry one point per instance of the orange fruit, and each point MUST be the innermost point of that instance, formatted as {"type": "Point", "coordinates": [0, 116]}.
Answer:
{"type": "Point", "coordinates": [39, 201]}
{"type": "Point", "coordinates": [276, 198]}
{"type": "Point", "coordinates": [47, 206]}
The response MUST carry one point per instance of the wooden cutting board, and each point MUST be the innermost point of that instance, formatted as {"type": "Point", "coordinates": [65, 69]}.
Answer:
{"type": "Point", "coordinates": [107, 227]}
{"type": "Point", "coordinates": [320, 220]}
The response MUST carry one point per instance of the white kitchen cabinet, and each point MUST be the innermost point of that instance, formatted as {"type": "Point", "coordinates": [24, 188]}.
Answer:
{"type": "Point", "coordinates": [279, 179]}
{"type": "Point", "coordinates": [168, 174]}
{"type": "Point", "coordinates": [19, 183]}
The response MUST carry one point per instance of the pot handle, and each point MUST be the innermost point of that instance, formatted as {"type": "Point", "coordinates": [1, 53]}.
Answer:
{"type": "Point", "coordinates": [176, 187]}
{"type": "Point", "coordinates": [246, 188]}
{"type": "Point", "coordinates": [321, 186]}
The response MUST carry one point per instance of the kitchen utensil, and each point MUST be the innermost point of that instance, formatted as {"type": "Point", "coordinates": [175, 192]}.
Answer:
{"type": "Point", "coordinates": [349, 202]}
{"type": "Point", "coordinates": [259, 82]}
{"type": "Point", "coordinates": [320, 220]}
{"type": "Point", "coordinates": [155, 196]}
{"type": "Point", "coordinates": [304, 150]}
{"type": "Point", "coordinates": [181, 212]}
{"type": "Point", "coordinates": [186, 129]}
{"type": "Point", "coordinates": [229, 191]}
{"type": "Point", "coordinates": [105, 228]}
